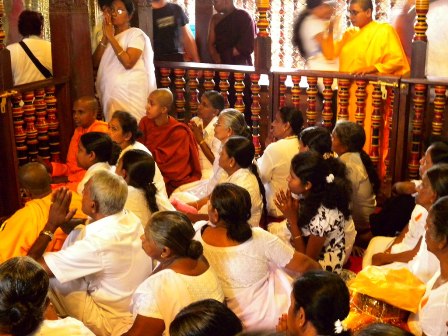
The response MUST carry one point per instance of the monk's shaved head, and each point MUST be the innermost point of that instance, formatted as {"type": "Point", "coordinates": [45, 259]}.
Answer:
{"type": "Point", "coordinates": [164, 97]}
{"type": "Point", "coordinates": [89, 102]}
{"type": "Point", "coordinates": [34, 177]}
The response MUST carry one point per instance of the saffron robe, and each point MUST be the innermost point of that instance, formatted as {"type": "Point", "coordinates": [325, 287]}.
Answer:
{"type": "Point", "coordinates": [375, 44]}
{"type": "Point", "coordinates": [70, 168]}
{"type": "Point", "coordinates": [174, 149]}
{"type": "Point", "coordinates": [18, 233]}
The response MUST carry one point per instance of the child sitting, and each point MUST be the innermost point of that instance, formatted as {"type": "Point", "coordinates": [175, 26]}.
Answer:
{"type": "Point", "coordinates": [171, 143]}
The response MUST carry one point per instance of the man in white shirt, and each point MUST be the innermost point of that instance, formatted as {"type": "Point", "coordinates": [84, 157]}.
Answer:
{"type": "Point", "coordinates": [23, 69]}
{"type": "Point", "coordinates": [100, 266]}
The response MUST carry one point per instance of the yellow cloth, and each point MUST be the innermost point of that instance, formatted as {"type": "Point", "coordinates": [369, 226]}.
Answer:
{"type": "Point", "coordinates": [397, 287]}
{"type": "Point", "coordinates": [376, 44]}
{"type": "Point", "coordinates": [18, 233]}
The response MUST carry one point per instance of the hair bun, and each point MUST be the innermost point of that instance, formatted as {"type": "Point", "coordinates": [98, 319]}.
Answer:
{"type": "Point", "coordinates": [195, 249]}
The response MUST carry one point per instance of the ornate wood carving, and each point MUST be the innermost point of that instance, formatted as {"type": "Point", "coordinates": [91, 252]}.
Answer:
{"type": "Point", "coordinates": [361, 95]}
{"type": "Point", "coordinates": [439, 108]}
{"type": "Point", "coordinates": [327, 113]}
{"type": "Point", "coordinates": [419, 100]}
{"type": "Point", "coordinates": [376, 119]}
{"type": "Point", "coordinates": [255, 112]}
{"type": "Point", "coordinates": [53, 124]}
{"type": "Point", "coordinates": [165, 79]}
{"type": "Point", "coordinates": [179, 83]}
{"type": "Point", "coordinates": [209, 83]}
{"type": "Point", "coordinates": [224, 86]}
{"type": "Point", "coordinates": [311, 99]}
{"type": "Point", "coordinates": [281, 91]}
{"type": "Point", "coordinates": [343, 94]}
{"type": "Point", "coordinates": [193, 84]}
{"type": "Point", "coordinates": [239, 88]}
{"type": "Point", "coordinates": [295, 91]}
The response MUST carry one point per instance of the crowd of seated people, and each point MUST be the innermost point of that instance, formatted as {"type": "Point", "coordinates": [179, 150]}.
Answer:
{"type": "Point", "coordinates": [129, 261]}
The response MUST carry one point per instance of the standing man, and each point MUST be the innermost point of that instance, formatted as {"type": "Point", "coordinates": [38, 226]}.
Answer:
{"type": "Point", "coordinates": [31, 57]}
{"type": "Point", "coordinates": [232, 34]}
{"type": "Point", "coordinates": [98, 268]}
{"type": "Point", "coordinates": [173, 39]}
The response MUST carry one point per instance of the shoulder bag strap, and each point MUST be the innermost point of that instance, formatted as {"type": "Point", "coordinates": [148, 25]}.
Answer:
{"type": "Point", "coordinates": [43, 70]}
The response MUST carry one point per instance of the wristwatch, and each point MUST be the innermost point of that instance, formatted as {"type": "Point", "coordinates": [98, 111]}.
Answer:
{"type": "Point", "coordinates": [47, 233]}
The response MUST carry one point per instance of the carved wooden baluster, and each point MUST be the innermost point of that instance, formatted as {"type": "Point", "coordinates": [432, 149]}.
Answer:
{"type": "Point", "coordinates": [224, 86]}
{"type": "Point", "coordinates": [2, 32]}
{"type": "Point", "coordinates": [327, 113]}
{"type": "Point", "coordinates": [53, 124]}
{"type": "Point", "coordinates": [420, 27]}
{"type": "Point", "coordinates": [31, 131]}
{"type": "Point", "coordinates": [263, 7]}
{"type": "Point", "coordinates": [41, 124]}
{"type": "Point", "coordinates": [439, 108]}
{"type": "Point", "coordinates": [390, 117]}
{"type": "Point", "coordinates": [255, 112]}
{"type": "Point", "coordinates": [165, 79]}
{"type": "Point", "coordinates": [193, 84]}
{"type": "Point", "coordinates": [295, 91]}
{"type": "Point", "coordinates": [417, 128]}
{"type": "Point", "coordinates": [281, 91]}
{"type": "Point", "coordinates": [19, 132]}
{"type": "Point", "coordinates": [179, 83]}
{"type": "Point", "coordinates": [209, 82]}
{"type": "Point", "coordinates": [361, 96]}
{"type": "Point", "coordinates": [343, 94]}
{"type": "Point", "coordinates": [376, 124]}
{"type": "Point", "coordinates": [311, 99]}
{"type": "Point", "coordinates": [239, 88]}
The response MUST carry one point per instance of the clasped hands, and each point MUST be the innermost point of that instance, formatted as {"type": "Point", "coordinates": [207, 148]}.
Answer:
{"type": "Point", "coordinates": [287, 204]}
{"type": "Point", "coordinates": [60, 215]}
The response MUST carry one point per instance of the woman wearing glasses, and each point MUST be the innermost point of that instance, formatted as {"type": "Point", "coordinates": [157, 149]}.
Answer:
{"type": "Point", "coordinates": [124, 59]}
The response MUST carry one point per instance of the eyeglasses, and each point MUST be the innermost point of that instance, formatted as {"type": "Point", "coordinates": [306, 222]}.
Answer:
{"type": "Point", "coordinates": [118, 11]}
{"type": "Point", "coordinates": [354, 12]}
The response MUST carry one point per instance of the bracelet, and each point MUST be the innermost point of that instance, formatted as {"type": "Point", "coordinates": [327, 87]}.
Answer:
{"type": "Point", "coordinates": [200, 143]}
{"type": "Point", "coordinates": [103, 44]}
{"type": "Point", "coordinates": [122, 51]}
{"type": "Point", "coordinates": [47, 233]}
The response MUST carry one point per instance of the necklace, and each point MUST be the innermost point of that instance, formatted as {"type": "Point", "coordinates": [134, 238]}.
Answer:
{"type": "Point", "coordinates": [291, 137]}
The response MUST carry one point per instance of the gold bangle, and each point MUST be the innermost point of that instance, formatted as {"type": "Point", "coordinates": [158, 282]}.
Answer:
{"type": "Point", "coordinates": [103, 44]}
{"type": "Point", "coordinates": [200, 143]}
{"type": "Point", "coordinates": [122, 51]}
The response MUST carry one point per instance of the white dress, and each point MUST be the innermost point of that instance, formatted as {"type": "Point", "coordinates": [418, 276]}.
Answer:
{"type": "Point", "coordinates": [432, 315]}
{"type": "Point", "coordinates": [255, 287]}
{"type": "Point", "coordinates": [65, 326]}
{"type": "Point", "coordinates": [416, 230]}
{"type": "Point", "coordinates": [126, 89]}
{"type": "Point", "coordinates": [274, 166]}
{"type": "Point", "coordinates": [214, 144]}
{"type": "Point", "coordinates": [92, 169]}
{"type": "Point", "coordinates": [340, 235]}
{"type": "Point", "coordinates": [162, 197]}
{"type": "Point", "coordinates": [244, 178]}
{"type": "Point", "coordinates": [165, 293]}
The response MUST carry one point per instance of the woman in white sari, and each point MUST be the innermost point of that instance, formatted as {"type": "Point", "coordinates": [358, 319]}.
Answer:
{"type": "Point", "coordinates": [125, 60]}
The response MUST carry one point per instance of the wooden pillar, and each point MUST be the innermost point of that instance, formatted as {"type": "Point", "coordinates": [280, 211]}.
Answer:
{"type": "Point", "coordinates": [419, 45]}
{"type": "Point", "coordinates": [72, 58]}
{"type": "Point", "coordinates": [263, 39]}
{"type": "Point", "coordinates": [144, 18]}
{"type": "Point", "coordinates": [8, 179]}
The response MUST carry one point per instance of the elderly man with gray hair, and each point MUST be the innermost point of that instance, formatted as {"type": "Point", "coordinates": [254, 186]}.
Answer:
{"type": "Point", "coordinates": [100, 266]}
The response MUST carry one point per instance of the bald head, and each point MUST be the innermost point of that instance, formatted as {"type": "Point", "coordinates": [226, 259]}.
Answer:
{"type": "Point", "coordinates": [85, 110]}
{"type": "Point", "coordinates": [163, 97]}
{"type": "Point", "coordinates": [34, 177]}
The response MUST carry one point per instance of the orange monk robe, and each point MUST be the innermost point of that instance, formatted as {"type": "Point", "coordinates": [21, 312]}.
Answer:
{"type": "Point", "coordinates": [70, 168]}
{"type": "Point", "coordinates": [18, 233]}
{"type": "Point", "coordinates": [174, 149]}
{"type": "Point", "coordinates": [376, 44]}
